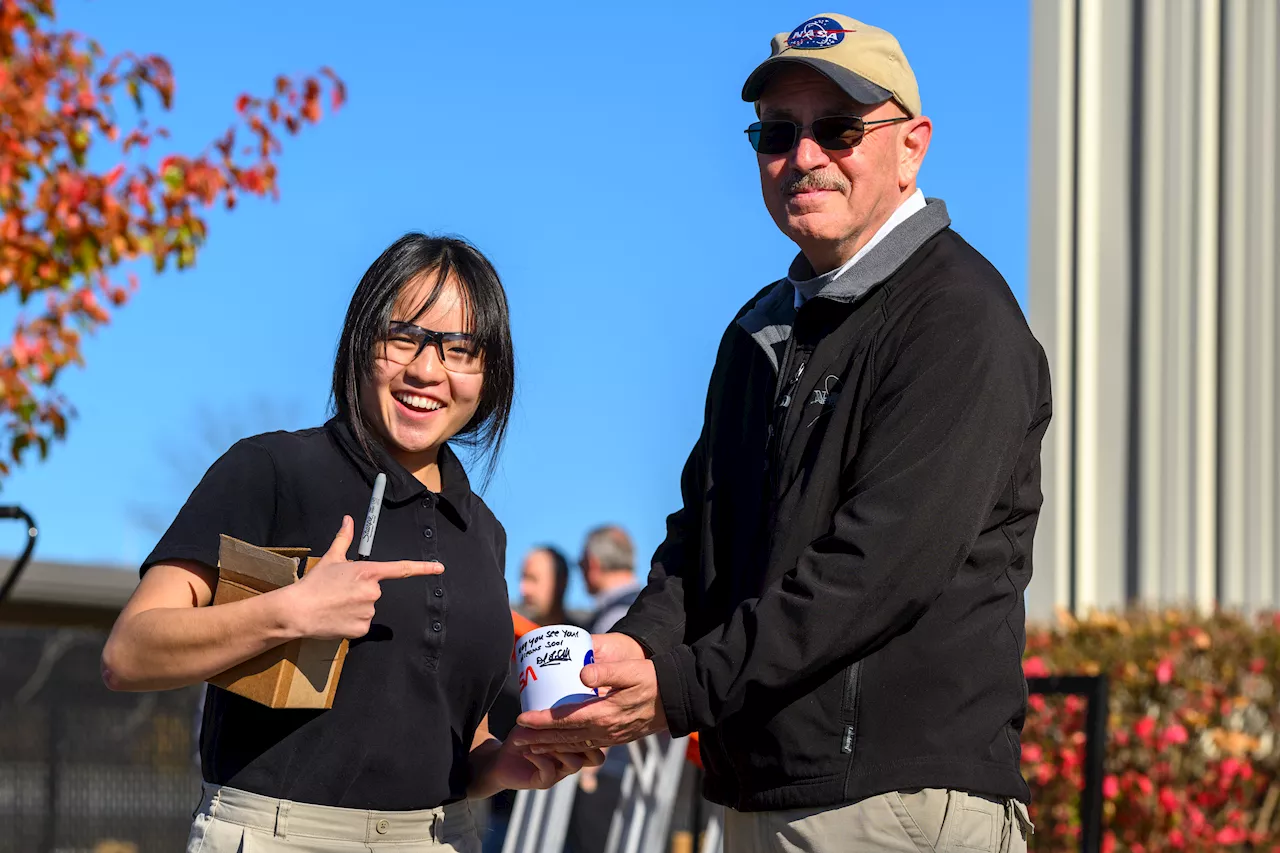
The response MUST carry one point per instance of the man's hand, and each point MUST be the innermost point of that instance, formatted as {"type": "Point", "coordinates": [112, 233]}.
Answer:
{"type": "Point", "coordinates": [335, 599]}
{"type": "Point", "coordinates": [610, 648]}
{"type": "Point", "coordinates": [629, 710]}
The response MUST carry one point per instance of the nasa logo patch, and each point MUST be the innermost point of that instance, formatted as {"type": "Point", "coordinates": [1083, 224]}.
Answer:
{"type": "Point", "coordinates": [817, 33]}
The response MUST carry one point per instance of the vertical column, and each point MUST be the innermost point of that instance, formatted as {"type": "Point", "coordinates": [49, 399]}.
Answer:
{"type": "Point", "coordinates": [1103, 289]}
{"type": "Point", "coordinates": [1087, 285]}
{"type": "Point", "coordinates": [1205, 519]}
{"type": "Point", "coordinates": [1154, 545]}
{"type": "Point", "coordinates": [1050, 287]}
{"type": "Point", "coordinates": [1179, 302]}
{"type": "Point", "coordinates": [1234, 290]}
{"type": "Point", "coordinates": [1262, 239]}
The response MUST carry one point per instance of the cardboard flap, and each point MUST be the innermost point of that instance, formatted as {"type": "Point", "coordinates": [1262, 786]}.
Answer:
{"type": "Point", "coordinates": [291, 553]}
{"type": "Point", "coordinates": [261, 568]}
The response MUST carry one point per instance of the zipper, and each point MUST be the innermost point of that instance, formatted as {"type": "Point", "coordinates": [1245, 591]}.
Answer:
{"type": "Point", "coordinates": [782, 403]}
{"type": "Point", "coordinates": [777, 428]}
{"type": "Point", "coordinates": [795, 383]}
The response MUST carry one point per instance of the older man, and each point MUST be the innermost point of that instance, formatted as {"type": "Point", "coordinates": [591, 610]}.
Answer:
{"type": "Point", "coordinates": [838, 606]}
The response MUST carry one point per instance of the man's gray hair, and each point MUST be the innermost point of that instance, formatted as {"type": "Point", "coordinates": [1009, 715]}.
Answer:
{"type": "Point", "coordinates": [611, 547]}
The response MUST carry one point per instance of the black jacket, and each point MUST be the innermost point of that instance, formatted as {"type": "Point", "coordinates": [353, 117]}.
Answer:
{"type": "Point", "coordinates": [838, 606]}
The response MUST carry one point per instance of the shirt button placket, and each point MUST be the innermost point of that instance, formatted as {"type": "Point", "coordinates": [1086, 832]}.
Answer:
{"type": "Point", "coordinates": [435, 603]}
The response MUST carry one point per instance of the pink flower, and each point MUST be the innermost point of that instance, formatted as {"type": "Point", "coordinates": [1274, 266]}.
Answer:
{"type": "Point", "coordinates": [1032, 752]}
{"type": "Point", "coordinates": [1231, 835]}
{"type": "Point", "coordinates": [1034, 667]}
{"type": "Point", "coordinates": [1168, 801]}
{"type": "Point", "coordinates": [1174, 734]}
{"type": "Point", "coordinates": [1144, 727]}
{"type": "Point", "coordinates": [1111, 790]}
{"type": "Point", "coordinates": [1164, 671]}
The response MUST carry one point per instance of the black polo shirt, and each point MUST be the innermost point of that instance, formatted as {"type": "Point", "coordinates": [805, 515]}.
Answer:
{"type": "Point", "coordinates": [412, 691]}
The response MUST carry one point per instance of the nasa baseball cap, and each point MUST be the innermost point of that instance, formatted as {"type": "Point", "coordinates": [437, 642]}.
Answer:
{"type": "Point", "coordinates": [866, 62]}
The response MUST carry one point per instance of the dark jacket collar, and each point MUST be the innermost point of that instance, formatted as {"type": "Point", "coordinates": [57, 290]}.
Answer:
{"type": "Point", "coordinates": [883, 260]}
{"type": "Point", "coordinates": [769, 321]}
{"type": "Point", "coordinates": [402, 486]}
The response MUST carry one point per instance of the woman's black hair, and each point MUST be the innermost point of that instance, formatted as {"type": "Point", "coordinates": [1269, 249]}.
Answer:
{"type": "Point", "coordinates": [411, 258]}
{"type": "Point", "coordinates": [560, 564]}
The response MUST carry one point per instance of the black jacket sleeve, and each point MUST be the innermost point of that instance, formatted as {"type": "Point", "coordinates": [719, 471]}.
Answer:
{"type": "Point", "coordinates": [657, 620]}
{"type": "Point", "coordinates": [943, 429]}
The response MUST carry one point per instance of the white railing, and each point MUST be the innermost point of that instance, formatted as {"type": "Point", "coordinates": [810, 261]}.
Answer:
{"type": "Point", "coordinates": [540, 819]}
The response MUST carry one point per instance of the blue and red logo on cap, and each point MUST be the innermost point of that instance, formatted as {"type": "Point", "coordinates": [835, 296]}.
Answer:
{"type": "Point", "coordinates": [817, 33]}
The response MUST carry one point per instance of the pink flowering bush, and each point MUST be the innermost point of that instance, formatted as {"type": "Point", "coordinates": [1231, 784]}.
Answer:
{"type": "Point", "coordinates": [1193, 762]}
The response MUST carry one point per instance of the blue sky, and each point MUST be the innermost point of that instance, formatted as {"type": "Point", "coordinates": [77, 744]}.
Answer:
{"type": "Point", "coordinates": [595, 153]}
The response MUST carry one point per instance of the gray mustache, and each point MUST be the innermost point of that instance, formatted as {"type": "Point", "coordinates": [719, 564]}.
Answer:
{"type": "Point", "coordinates": [797, 183]}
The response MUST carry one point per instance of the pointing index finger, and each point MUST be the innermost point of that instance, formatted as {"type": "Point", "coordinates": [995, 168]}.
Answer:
{"type": "Point", "coordinates": [403, 569]}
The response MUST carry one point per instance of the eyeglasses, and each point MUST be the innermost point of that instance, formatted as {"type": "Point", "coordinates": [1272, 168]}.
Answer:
{"type": "Point", "coordinates": [832, 133]}
{"type": "Point", "coordinates": [458, 351]}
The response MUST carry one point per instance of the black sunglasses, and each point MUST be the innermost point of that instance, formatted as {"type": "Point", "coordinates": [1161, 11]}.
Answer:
{"type": "Point", "coordinates": [832, 133]}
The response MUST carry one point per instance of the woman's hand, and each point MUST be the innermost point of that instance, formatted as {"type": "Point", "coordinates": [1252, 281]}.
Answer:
{"type": "Point", "coordinates": [335, 599]}
{"type": "Point", "coordinates": [500, 766]}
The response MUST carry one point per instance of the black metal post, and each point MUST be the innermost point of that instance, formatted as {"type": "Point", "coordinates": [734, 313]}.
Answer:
{"type": "Point", "coordinates": [15, 571]}
{"type": "Point", "coordinates": [1095, 753]}
{"type": "Point", "coordinates": [1095, 691]}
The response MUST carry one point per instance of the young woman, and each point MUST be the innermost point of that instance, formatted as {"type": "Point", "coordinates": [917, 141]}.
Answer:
{"type": "Point", "coordinates": [425, 358]}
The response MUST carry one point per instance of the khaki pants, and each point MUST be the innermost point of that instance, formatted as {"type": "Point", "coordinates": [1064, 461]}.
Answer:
{"type": "Point", "coordinates": [931, 820]}
{"type": "Point", "coordinates": [234, 821]}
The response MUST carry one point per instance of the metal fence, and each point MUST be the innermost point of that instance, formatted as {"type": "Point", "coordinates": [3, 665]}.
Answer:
{"type": "Point", "coordinates": [85, 769]}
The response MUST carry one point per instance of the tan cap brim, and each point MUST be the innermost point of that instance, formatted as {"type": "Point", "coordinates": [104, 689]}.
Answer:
{"type": "Point", "coordinates": [862, 90]}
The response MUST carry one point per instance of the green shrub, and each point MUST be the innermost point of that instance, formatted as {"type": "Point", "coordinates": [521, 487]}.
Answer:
{"type": "Point", "coordinates": [1193, 761]}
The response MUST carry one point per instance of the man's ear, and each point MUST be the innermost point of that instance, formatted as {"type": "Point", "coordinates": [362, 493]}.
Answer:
{"type": "Point", "coordinates": [914, 144]}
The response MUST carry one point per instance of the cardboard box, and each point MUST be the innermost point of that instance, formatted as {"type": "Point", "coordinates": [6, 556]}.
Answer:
{"type": "Point", "coordinates": [298, 674]}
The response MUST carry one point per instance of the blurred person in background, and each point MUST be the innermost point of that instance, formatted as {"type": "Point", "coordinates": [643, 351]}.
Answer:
{"type": "Point", "coordinates": [838, 606]}
{"type": "Point", "coordinates": [608, 565]}
{"type": "Point", "coordinates": [424, 359]}
{"type": "Point", "coordinates": [544, 577]}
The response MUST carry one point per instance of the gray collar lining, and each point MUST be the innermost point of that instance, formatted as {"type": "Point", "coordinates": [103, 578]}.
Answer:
{"type": "Point", "coordinates": [769, 321]}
